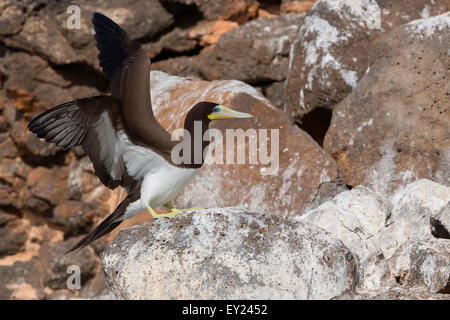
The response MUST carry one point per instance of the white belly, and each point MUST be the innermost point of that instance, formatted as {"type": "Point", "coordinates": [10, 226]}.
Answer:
{"type": "Point", "coordinates": [160, 187]}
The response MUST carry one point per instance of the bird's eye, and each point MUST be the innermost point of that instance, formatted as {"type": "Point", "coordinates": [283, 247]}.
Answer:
{"type": "Point", "coordinates": [216, 109]}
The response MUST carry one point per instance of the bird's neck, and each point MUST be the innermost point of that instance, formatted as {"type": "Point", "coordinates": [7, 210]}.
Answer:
{"type": "Point", "coordinates": [196, 141]}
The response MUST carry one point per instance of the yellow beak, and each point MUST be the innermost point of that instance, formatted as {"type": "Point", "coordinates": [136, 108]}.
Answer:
{"type": "Point", "coordinates": [223, 112]}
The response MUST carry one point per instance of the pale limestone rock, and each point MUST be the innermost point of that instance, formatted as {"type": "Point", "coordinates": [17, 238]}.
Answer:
{"type": "Point", "coordinates": [413, 207]}
{"type": "Point", "coordinates": [354, 217]}
{"type": "Point", "coordinates": [228, 254]}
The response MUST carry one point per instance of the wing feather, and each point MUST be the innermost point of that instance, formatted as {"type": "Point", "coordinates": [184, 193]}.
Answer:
{"type": "Point", "coordinates": [119, 133]}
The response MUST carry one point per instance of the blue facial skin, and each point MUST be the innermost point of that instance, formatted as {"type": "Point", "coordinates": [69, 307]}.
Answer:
{"type": "Point", "coordinates": [217, 109]}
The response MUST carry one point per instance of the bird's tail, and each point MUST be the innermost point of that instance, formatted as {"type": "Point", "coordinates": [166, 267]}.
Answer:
{"type": "Point", "coordinates": [106, 226]}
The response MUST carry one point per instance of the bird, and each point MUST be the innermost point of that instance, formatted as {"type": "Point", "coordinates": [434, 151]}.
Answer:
{"type": "Point", "coordinates": [126, 144]}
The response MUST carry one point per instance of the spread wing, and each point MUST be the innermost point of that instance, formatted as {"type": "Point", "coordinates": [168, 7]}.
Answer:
{"type": "Point", "coordinates": [119, 133]}
{"type": "Point", "coordinates": [127, 65]}
{"type": "Point", "coordinates": [96, 124]}
{"type": "Point", "coordinates": [81, 122]}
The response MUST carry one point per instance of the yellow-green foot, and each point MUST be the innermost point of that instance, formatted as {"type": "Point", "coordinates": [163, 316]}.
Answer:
{"type": "Point", "coordinates": [169, 215]}
{"type": "Point", "coordinates": [174, 211]}
{"type": "Point", "coordinates": [171, 207]}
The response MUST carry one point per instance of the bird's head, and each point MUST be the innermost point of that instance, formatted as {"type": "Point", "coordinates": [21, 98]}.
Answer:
{"type": "Point", "coordinates": [208, 111]}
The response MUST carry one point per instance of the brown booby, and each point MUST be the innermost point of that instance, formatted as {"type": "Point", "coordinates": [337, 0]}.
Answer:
{"type": "Point", "coordinates": [126, 144]}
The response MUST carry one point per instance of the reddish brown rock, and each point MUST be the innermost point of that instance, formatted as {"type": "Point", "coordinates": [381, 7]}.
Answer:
{"type": "Point", "coordinates": [6, 197]}
{"type": "Point", "coordinates": [303, 165]}
{"type": "Point", "coordinates": [11, 18]}
{"type": "Point", "coordinates": [48, 184]}
{"type": "Point", "coordinates": [43, 36]}
{"type": "Point", "coordinates": [7, 147]}
{"type": "Point", "coordinates": [184, 66]}
{"type": "Point", "coordinates": [209, 33]}
{"type": "Point", "coordinates": [21, 280]}
{"type": "Point", "coordinates": [54, 260]}
{"type": "Point", "coordinates": [17, 114]}
{"type": "Point", "coordinates": [188, 40]}
{"type": "Point", "coordinates": [40, 269]}
{"type": "Point", "coordinates": [296, 6]}
{"type": "Point", "coordinates": [141, 19]}
{"type": "Point", "coordinates": [46, 87]}
{"type": "Point", "coordinates": [255, 52]}
{"type": "Point", "coordinates": [237, 10]}
{"type": "Point", "coordinates": [73, 215]}
{"type": "Point", "coordinates": [13, 234]}
{"type": "Point", "coordinates": [12, 169]}
{"type": "Point", "coordinates": [393, 128]}
{"type": "Point", "coordinates": [330, 52]}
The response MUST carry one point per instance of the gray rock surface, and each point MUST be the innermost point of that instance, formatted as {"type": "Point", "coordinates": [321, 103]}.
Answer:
{"type": "Point", "coordinates": [359, 245]}
{"type": "Point", "coordinates": [410, 218]}
{"type": "Point", "coordinates": [393, 128]}
{"type": "Point", "coordinates": [355, 217]}
{"type": "Point", "coordinates": [391, 238]}
{"type": "Point", "coordinates": [330, 52]}
{"type": "Point", "coordinates": [228, 254]}
{"type": "Point", "coordinates": [423, 264]}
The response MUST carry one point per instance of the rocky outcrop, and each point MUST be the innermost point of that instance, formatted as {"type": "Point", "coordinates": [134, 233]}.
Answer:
{"type": "Point", "coordinates": [355, 217]}
{"type": "Point", "coordinates": [401, 133]}
{"type": "Point", "coordinates": [386, 81]}
{"type": "Point", "coordinates": [347, 248]}
{"type": "Point", "coordinates": [392, 238]}
{"type": "Point", "coordinates": [297, 6]}
{"type": "Point", "coordinates": [331, 50]}
{"type": "Point", "coordinates": [240, 10]}
{"type": "Point", "coordinates": [255, 52]}
{"type": "Point", "coordinates": [228, 254]}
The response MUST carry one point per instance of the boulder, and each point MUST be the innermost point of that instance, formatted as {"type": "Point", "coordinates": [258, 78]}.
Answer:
{"type": "Point", "coordinates": [40, 269]}
{"type": "Point", "coordinates": [355, 217]}
{"type": "Point", "coordinates": [188, 40]}
{"type": "Point", "coordinates": [391, 238]}
{"type": "Point", "coordinates": [43, 36]}
{"type": "Point", "coordinates": [331, 50]}
{"type": "Point", "coordinates": [285, 186]}
{"type": "Point", "coordinates": [13, 234]}
{"type": "Point", "coordinates": [413, 209]}
{"type": "Point", "coordinates": [257, 51]}
{"type": "Point", "coordinates": [393, 128]}
{"type": "Point", "coordinates": [48, 184]}
{"type": "Point", "coordinates": [423, 264]}
{"type": "Point", "coordinates": [141, 19]}
{"type": "Point", "coordinates": [7, 147]}
{"type": "Point", "coordinates": [21, 281]}
{"type": "Point", "coordinates": [440, 223]}
{"type": "Point", "coordinates": [296, 6]}
{"type": "Point", "coordinates": [49, 34]}
{"type": "Point", "coordinates": [183, 66]}
{"type": "Point", "coordinates": [53, 259]}
{"type": "Point", "coordinates": [395, 291]}
{"type": "Point", "coordinates": [32, 76]}
{"type": "Point", "coordinates": [227, 253]}
{"type": "Point", "coordinates": [74, 216]}
{"type": "Point", "coordinates": [11, 19]}
{"type": "Point", "coordinates": [238, 10]}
